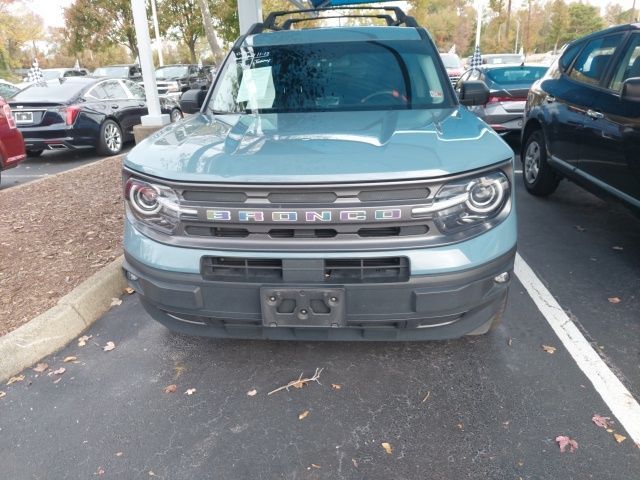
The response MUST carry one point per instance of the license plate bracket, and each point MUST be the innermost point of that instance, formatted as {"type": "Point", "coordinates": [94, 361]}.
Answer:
{"type": "Point", "coordinates": [302, 307]}
{"type": "Point", "coordinates": [23, 117]}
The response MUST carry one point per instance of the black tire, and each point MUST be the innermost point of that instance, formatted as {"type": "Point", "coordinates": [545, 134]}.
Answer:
{"type": "Point", "coordinates": [34, 153]}
{"type": "Point", "coordinates": [493, 323]}
{"type": "Point", "coordinates": [176, 115]}
{"type": "Point", "coordinates": [538, 176]}
{"type": "Point", "coordinates": [111, 140]}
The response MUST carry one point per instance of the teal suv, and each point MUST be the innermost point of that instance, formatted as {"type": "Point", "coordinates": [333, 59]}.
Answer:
{"type": "Point", "coordinates": [329, 185]}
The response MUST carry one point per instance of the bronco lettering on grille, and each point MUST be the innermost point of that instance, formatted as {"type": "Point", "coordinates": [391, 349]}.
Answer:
{"type": "Point", "coordinates": [304, 216]}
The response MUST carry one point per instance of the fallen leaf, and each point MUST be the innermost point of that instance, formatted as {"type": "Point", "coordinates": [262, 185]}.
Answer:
{"type": "Point", "coordinates": [115, 302]}
{"type": "Point", "coordinates": [252, 393]}
{"type": "Point", "coordinates": [100, 471]}
{"type": "Point", "coordinates": [355, 463]}
{"type": "Point", "coordinates": [426, 396]}
{"type": "Point", "coordinates": [303, 415]}
{"type": "Point", "coordinates": [619, 438]}
{"type": "Point", "coordinates": [41, 367]}
{"type": "Point", "coordinates": [506, 424]}
{"type": "Point", "coordinates": [510, 341]}
{"type": "Point", "coordinates": [609, 430]}
{"type": "Point", "coordinates": [17, 378]}
{"type": "Point", "coordinates": [614, 300]}
{"type": "Point", "coordinates": [461, 426]}
{"type": "Point", "coordinates": [57, 380]}
{"type": "Point", "coordinates": [315, 466]}
{"type": "Point", "coordinates": [580, 228]}
{"type": "Point", "coordinates": [600, 421]}
{"type": "Point", "coordinates": [564, 442]}
{"type": "Point", "coordinates": [190, 391]}
{"type": "Point", "coordinates": [82, 341]}
{"type": "Point", "coordinates": [617, 248]}
{"type": "Point", "coordinates": [70, 358]}
{"type": "Point", "coordinates": [336, 386]}
{"type": "Point", "coordinates": [171, 388]}
{"type": "Point", "coordinates": [109, 346]}
{"type": "Point", "coordinates": [2, 394]}
{"type": "Point", "coordinates": [387, 447]}
{"type": "Point", "coordinates": [151, 474]}
{"type": "Point", "coordinates": [59, 371]}
{"type": "Point", "coordinates": [129, 290]}
{"type": "Point", "coordinates": [549, 349]}
{"type": "Point", "coordinates": [119, 454]}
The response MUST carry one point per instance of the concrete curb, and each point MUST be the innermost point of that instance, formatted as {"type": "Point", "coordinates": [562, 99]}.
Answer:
{"type": "Point", "coordinates": [49, 332]}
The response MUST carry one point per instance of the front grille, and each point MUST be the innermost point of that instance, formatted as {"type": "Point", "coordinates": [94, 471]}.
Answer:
{"type": "Point", "coordinates": [333, 271]}
{"type": "Point", "coordinates": [308, 217]}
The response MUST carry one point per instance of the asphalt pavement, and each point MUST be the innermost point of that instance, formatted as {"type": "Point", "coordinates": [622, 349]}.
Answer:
{"type": "Point", "coordinates": [486, 407]}
{"type": "Point", "coordinates": [49, 163]}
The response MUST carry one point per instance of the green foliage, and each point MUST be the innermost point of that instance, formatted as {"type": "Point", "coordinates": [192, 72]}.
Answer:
{"type": "Point", "coordinates": [98, 25]}
{"type": "Point", "coordinates": [583, 19]}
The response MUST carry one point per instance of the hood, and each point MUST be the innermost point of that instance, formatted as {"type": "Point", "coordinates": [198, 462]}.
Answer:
{"type": "Point", "coordinates": [320, 147]}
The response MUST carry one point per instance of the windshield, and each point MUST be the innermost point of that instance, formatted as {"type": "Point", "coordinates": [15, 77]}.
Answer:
{"type": "Point", "coordinates": [515, 75]}
{"type": "Point", "coordinates": [171, 72]}
{"type": "Point", "coordinates": [118, 72]}
{"type": "Point", "coordinates": [51, 92]}
{"type": "Point", "coordinates": [451, 60]}
{"type": "Point", "coordinates": [367, 75]}
{"type": "Point", "coordinates": [51, 74]}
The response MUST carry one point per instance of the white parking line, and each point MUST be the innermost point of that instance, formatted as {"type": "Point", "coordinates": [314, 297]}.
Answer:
{"type": "Point", "coordinates": [613, 392]}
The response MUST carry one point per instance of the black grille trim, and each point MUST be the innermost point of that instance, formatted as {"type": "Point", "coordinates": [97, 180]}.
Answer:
{"type": "Point", "coordinates": [334, 271]}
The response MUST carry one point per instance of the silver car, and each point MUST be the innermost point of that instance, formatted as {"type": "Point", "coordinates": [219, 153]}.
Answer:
{"type": "Point", "coordinates": [508, 87]}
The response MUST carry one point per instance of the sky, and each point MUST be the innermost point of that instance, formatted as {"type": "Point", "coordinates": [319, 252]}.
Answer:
{"type": "Point", "coordinates": [52, 10]}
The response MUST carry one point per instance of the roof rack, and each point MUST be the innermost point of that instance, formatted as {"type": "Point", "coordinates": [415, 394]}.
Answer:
{"type": "Point", "coordinates": [393, 16]}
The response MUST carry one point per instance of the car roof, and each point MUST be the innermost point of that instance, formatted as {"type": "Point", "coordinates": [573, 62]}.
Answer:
{"type": "Point", "coordinates": [615, 29]}
{"type": "Point", "coordinates": [331, 34]}
{"type": "Point", "coordinates": [493, 66]}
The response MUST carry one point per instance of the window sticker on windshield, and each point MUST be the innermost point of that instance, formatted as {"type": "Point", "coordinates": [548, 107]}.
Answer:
{"type": "Point", "coordinates": [436, 93]}
{"type": "Point", "coordinates": [256, 88]}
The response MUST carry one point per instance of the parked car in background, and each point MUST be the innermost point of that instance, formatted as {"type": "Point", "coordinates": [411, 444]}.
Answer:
{"type": "Point", "coordinates": [7, 89]}
{"type": "Point", "coordinates": [582, 119]}
{"type": "Point", "coordinates": [174, 80]}
{"type": "Point", "coordinates": [56, 73]}
{"type": "Point", "coordinates": [11, 143]}
{"type": "Point", "coordinates": [128, 71]}
{"type": "Point", "coordinates": [453, 65]}
{"type": "Point", "coordinates": [508, 87]}
{"type": "Point", "coordinates": [82, 112]}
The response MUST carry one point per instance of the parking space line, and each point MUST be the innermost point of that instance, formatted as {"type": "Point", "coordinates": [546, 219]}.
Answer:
{"type": "Point", "coordinates": [622, 404]}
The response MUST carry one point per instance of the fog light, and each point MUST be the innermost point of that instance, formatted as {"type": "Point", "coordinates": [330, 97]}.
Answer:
{"type": "Point", "coordinates": [132, 277]}
{"type": "Point", "coordinates": [502, 278]}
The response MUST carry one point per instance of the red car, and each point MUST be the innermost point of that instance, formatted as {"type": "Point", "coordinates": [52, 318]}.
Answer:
{"type": "Point", "coordinates": [12, 149]}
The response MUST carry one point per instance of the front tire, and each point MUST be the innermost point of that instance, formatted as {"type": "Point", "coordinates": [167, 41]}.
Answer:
{"type": "Point", "coordinates": [538, 176]}
{"type": "Point", "coordinates": [110, 141]}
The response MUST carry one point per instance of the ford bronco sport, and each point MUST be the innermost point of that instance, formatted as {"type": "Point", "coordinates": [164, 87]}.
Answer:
{"type": "Point", "coordinates": [329, 185]}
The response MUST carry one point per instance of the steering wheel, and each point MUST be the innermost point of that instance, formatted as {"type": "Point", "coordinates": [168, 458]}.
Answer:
{"type": "Point", "coordinates": [391, 93]}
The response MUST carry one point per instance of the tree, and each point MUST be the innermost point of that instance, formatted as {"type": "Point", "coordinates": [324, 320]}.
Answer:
{"type": "Point", "coordinates": [583, 19]}
{"type": "Point", "coordinates": [208, 28]}
{"type": "Point", "coordinates": [450, 22]}
{"type": "Point", "coordinates": [182, 21]}
{"type": "Point", "coordinates": [100, 24]}
{"type": "Point", "coordinates": [559, 23]}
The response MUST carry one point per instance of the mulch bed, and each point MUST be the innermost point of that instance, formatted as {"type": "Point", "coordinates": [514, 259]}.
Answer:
{"type": "Point", "coordinates": [54, 234]}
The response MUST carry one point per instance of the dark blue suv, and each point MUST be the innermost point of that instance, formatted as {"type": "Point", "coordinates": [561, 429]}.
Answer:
{"type": "Point", "coordinates": [582, 119]}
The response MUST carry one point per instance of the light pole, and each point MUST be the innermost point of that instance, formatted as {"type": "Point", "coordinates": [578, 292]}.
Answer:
{"type": "Point", "coordinates": [154, 13]}
{"type": "Point", "coordinates": [249, 12]}
{"type": "Point", "coordinates": [155, 118]}
{"type": "Point", "coordinates": [515, 48]}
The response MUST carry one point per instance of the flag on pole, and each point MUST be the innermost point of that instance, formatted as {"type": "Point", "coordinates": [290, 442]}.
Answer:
{"type": "Point", "coordinates": [476, 59]}
{"type": "Point", "coordinates": [35, 74]}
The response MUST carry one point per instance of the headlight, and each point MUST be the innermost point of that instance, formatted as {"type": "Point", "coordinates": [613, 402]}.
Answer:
{"type": "Point", "coordinates": [156, 206]}
{"type": "Point", "coordinates": [468, 202]}
{"type": "Point", "coordinates": [174, 87]}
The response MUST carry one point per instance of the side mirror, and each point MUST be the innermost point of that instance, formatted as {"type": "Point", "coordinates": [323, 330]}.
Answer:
{"type": "Point", "coordinates": [631, 90]}
{"type": "Point", "coordinates": [191, 101]}
{"type": "Point", "coordinates": [473, 92]}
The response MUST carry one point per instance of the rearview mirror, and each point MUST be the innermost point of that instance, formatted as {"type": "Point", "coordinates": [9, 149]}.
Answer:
{"type": "Point", "coordinates": [191, 101]}
{"type": "Point", "coordinates": [473, 92]}
{"type": "Point", "coordinates": [631, 90]}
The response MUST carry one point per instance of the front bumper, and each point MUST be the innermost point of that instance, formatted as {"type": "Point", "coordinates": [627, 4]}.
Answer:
{"type": "Point", "coordinates": [426, 307]}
